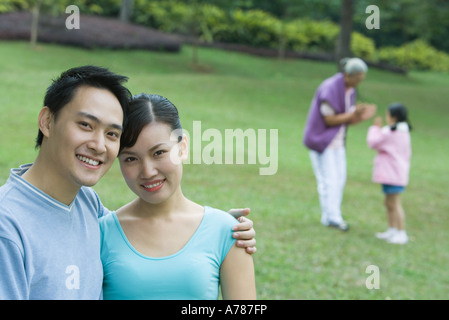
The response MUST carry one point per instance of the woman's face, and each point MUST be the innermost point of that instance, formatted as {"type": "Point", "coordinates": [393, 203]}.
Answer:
{"type": "Point", "coordinates": [353, 80]}
{"type": "Point", "coordinates": [152, 168]}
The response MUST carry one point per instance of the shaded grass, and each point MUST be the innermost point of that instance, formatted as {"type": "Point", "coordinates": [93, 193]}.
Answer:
{"type": "Point", "coordinates": [297, 258]}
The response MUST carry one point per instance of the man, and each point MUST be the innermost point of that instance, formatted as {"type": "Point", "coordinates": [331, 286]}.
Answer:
{"type": "Point", "coordinates": [332, 109]}
{"type": "Point", "coordinates": [49, 233]}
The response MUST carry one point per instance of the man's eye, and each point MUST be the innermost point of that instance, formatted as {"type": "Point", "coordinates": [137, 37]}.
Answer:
{"type": "Point", "coordinates": [114, 134]}
{"type": "Point", "coordinates": [84, 124]}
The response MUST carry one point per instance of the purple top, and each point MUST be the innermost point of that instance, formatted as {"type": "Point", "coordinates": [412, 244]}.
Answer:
{"type": "Point", "coordinates": [317, 135]}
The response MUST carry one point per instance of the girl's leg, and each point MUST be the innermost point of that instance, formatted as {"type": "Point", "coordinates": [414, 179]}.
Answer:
{"type": "Point", "coordinates": [398, 219]}
{"type": "Point", "coordinates": [389, 208]}
{"type": "Point", "coordinates": [395, 211]}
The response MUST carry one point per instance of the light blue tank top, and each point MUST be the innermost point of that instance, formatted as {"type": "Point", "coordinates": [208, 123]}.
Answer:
{"type": "Point", "coordinates": [191, 273]}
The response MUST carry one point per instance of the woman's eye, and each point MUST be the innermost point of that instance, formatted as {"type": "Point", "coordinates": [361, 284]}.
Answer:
{"type": "Point", "coordinates": [159, 153]}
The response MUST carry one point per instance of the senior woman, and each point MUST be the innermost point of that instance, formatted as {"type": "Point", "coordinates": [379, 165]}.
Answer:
{"type": "Point", "coordinates": [333, 108]}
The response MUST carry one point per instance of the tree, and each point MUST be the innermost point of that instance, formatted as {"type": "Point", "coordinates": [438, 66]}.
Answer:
{"type": "Point", "coordinates": [343, 46]}
{"type": "Point", "coordinates": [287, 10]}
{"type": "Point", "coordinates": [36, 7]}
{"type": "Point", "coordinates": [35, 11]}
{"type": "Point", "coordinates": [126, 10]}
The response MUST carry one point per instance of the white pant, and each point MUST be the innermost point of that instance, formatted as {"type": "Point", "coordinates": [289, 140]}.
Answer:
{"type": "Point", "coordinates": [330, 172]}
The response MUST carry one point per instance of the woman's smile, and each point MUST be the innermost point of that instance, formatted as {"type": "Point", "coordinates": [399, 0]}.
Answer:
{"type": "Point", "coordinates": [154, 185]}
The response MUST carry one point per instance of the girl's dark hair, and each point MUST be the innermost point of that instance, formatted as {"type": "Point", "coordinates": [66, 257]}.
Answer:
{"type": "Point", "coordinates": [399, 111]}
{"type": "Point", "coordinates": [147, 108]}
{"type": "Point", "coordinates": [63, 89]}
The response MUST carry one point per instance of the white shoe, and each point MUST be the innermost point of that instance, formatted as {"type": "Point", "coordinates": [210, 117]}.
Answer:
{"type": "Point", "coordinates": [399, 238]}
{"type": "Point", "coordinates": [387, 234]}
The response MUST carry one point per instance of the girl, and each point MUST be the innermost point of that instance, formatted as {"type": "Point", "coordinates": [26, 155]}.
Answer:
{"type": "Point", "coordinates": [392, 166]}
{"type": "Point", "coordinates": [139, 260]}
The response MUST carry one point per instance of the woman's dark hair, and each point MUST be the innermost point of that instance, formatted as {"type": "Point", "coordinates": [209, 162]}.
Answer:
{"type": "Point", "coordinates": [399, 112]}
{"type": "Point", "coordinates": [147, 108]}
{"type": "Point", "coordinates": [63, 89]}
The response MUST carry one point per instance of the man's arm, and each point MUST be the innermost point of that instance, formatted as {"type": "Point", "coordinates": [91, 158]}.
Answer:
{"type": "Point", "coordinates": [338, 119]}
{"type": "Point", "coordinates": [363, 111]}
{"type": "Point", "coordinates": [13, 280]}
{"type": "Point", "coordinates": [244, 231]}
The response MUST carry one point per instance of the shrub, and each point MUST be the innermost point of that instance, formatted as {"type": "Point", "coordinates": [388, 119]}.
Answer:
{"type": "Point", "coordinates": [415, 55]}
{"type": "Point", "coordinates": [363, 47]}
{"type": "Point", "coordinates": [255, 27]}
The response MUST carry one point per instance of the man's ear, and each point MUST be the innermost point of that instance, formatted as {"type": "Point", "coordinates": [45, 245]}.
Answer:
{"type": "Point", "coordinates": [45, 120]}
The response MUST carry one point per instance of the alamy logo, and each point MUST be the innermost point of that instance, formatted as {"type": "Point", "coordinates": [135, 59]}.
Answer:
{"type": "Point", "coordinates": [373, 21]}
{"type": "Point", "coordinates": [72, 21]}
{"type": "Point", "coordinates": [72, 282]}
{"type": "Point", "coordinates": [235, 146]}
{"type": "Point", "coordinates": [373, 280]}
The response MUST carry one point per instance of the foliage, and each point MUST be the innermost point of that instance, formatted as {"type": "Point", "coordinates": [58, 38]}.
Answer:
{"type": "Point", "coordinates": [416, 55]}
{"type": "Point", "coordinates": [100, 7]}
{"type": "Point", "coordinates": [362, 46]}
{"type": "Point", "coordinates": [10, 5]}
{"type": "Point", "coordinates": [306, 34]}
{"type": "Point", "coordinates": [403, 21]}
{"type": "Point", "coordinates": [288, 23]}
{"type": "Point", "coordinates": [252, 27]}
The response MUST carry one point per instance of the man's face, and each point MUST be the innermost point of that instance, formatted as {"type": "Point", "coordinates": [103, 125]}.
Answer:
{"type": "Point", "coordinates": [84, 139]}
{"type": "Point", "coordinates": [355, 79]}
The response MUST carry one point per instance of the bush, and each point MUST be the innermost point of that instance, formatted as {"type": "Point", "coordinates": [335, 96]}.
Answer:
{"type": "Point", "coordinates": [100, 7]}
{"type": "Point", "coordinates": [251, 27]}
{"type": "Point", "coordinates": [363, 47]}
{"type": "Point", "coordinates": [206, 21]}
{"type": "Point", "coordinates": [309, 35]}
{"type": "Point", "coordinates": [415, 55]}
{"type": "Point", "coordinates": [254, 27]}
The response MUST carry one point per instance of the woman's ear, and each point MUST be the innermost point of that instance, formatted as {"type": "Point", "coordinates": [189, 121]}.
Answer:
{"type": "Point", "coordinates": [184, 148]}
{"type": "Point", "coordinates": [45, 120]}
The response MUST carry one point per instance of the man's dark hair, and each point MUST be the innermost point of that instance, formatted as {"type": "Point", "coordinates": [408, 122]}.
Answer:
{"type": "Point", "coordinates": [63, 89]}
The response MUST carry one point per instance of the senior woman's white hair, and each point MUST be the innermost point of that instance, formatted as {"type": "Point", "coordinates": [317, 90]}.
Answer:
{"type": "Point", "coordinates": [353, 65]}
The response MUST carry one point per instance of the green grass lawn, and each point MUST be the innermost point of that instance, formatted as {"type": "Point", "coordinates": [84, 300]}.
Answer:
{"type": "Point", "coordinates": [297, 257]}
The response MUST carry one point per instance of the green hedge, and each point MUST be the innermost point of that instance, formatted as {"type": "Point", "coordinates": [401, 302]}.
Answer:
{"type": "Point", "coordinates": [252, 27]}
{"type": "Point", "coordinates": [98, 7]}
{"type": "Point", "coordinates": [415, 55]}
{"type": "Point", "coordinates": [255, 28]}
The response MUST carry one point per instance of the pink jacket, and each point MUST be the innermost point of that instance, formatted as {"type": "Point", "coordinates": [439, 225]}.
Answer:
{"type": "Point", "coordinates": [392, 162]}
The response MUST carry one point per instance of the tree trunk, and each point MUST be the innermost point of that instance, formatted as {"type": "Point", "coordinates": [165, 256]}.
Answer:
{"type": "Point", "coordinates": [126, 10]}
{"type": "Point", "coordinates": [35, 23]}
{"type": "Point", "coordinates": [343, 47]}
{"type": "Point", "coordinates": [282, 42]}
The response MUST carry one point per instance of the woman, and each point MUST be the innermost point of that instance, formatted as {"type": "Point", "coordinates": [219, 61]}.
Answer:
{"type": "Point", "coordinates": [139, 260]}
{"type": "Point", "coordinates": [332, 110]}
